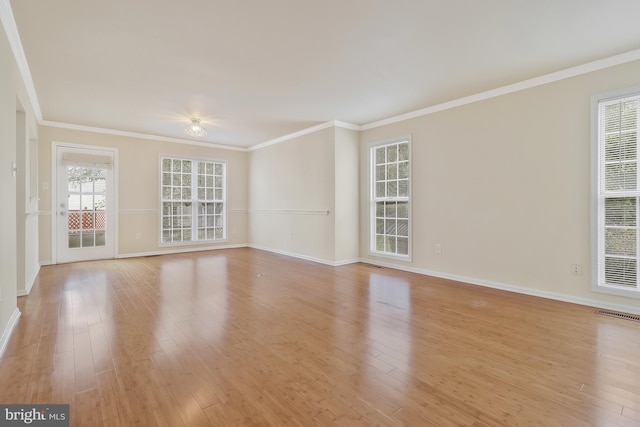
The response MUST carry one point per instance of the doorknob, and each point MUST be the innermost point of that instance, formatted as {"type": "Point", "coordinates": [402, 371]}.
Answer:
{"type": "Point", "coordinates": [62, 213]}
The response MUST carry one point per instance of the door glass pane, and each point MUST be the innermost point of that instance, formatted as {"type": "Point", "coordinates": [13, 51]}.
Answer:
{"type": "Point", "coordinates": [87, 187]}
{"type": "Point", "coordinates": [74, 240]}
{"type": "Point", "coordinates": [100, 185]}
{"type": "Point", "coordinates": [74, 185]}
{"type": "Point", "coordinates": [73, 203]}
{"type": "Point", "coordinates": [87, 239]}
{"type": "Point", "coordinates": [86, 207]}
{"type": "Point", "coordinates": [87, 202]}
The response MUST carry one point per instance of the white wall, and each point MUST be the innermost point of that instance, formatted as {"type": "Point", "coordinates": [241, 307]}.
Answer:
{"type": "Point", "coordinates": [21, 197]}
{"type": "Point", "coordinates": [15, 129]}
{"type": "Point", "coordinates": [8, 259]}
{"type": "Point", "coordinates": [291, 186]}
{"type": "Point", "coordinates": [26, 208]}
{"type": "Point", "coordinates": [138, 189]}
{"type": "Point", "coordinates": [347, 230]}
{"type": "Point", "coordinates": [504, 186]}
{"type": "Point", "coordinates": [32, 263]}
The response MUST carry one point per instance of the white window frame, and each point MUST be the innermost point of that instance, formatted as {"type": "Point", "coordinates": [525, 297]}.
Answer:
{"type": "Point", "coordinates": [193, 200]}
{"type": "Point", "coordinates": [373, 199]}
{"type": "Point", "coordinates": [598, 196]}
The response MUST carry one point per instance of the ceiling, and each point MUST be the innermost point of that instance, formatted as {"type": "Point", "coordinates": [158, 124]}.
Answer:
{"type": "Point", "coordinates": [256, 70]}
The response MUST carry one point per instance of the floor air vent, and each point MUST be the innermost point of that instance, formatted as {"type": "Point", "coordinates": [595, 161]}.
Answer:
{"type": "Point", "coordinates": [625, 316]}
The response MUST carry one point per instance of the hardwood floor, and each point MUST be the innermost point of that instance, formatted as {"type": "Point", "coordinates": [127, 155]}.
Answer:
{"type": "Point", "coordinates": [245, 337]}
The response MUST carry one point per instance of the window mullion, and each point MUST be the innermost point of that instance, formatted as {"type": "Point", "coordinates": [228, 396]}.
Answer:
{"type": "Point", "coordinates": [194, 200]}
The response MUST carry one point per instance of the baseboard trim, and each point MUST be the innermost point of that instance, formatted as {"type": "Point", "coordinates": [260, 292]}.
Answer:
{"type": "Point", "coordinates": [30, 283]}
{"type": "Point", "coordinates": [293, 255]}
{"type": "Point", "coordinates": [305, 257]}
{"type": "Point", "coordinates": [346, 262]}
{"type": "Point", "coordinates": [509, 288]}
{"type": "Point", "coordinates": [6, 334]}
{"type": "Point", "coordinates": [180, 251]}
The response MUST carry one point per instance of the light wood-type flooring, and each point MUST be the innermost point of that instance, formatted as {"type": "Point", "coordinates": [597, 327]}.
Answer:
{"type": "Point", "coordinates": [245, 337]}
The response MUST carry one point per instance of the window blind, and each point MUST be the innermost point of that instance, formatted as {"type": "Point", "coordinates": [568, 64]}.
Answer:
{"type": "Point", "coordinates": [618, 204]}
{"type": "Point", "coordinates": [87, 160]}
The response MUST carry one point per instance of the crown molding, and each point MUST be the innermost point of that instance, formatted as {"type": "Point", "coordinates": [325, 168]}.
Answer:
{"type": "Point", "coordinates": [306, 131]}
{"type": "Point", "coordinates": [345, 125]}
{"type": "Point", "coordinates": [312, 129]}
{"type": "Point", "coordinates": [578, 70]}
{"type": "Point", "coordinates": [11, 29]}
{"type": "Point", "coordinates": [137, 135]}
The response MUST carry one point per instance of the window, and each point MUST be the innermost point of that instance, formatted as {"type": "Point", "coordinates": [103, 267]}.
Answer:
{"type": "Point", "coordinates": [617, 195]}
{"type": "Point", "coordinates": [390, 193]}
{"type": "Point", "coordinates": [193, 200]}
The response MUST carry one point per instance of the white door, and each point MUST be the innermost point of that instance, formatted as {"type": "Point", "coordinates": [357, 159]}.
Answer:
{"type": "Point", "coordinates": [85, 218]}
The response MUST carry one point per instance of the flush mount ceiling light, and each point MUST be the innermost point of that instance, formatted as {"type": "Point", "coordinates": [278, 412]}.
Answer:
{"type": "Point", "coordinates": [195, 129]}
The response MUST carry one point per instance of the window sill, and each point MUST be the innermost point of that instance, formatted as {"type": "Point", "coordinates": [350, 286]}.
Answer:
{"type": "Point", "coordinates": [405, 258]}
{"type": "Point", "coordinates": [611, 290]}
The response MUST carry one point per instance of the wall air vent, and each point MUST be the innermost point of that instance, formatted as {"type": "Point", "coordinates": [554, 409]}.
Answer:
{"type": "Point", "coordinates": [625, 316]}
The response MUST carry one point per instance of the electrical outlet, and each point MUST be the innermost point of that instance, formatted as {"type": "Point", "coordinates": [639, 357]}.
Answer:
{"type": "Point", "coordinates": [138, 236]}
{"type": "Point", "coordinates": [576, 269]}
{"type": "Point", "coordinates": [438, 248]}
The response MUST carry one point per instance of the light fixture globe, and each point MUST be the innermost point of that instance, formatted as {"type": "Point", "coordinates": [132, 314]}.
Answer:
{"type": "Point", "coordinates": [195, 129]}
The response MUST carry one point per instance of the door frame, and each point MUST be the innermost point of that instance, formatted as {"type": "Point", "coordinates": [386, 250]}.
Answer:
{"type": "Point", "coordinates": [54, 193]}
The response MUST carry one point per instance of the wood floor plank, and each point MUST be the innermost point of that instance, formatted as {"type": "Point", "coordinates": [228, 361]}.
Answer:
{"type": "Point", "coordinates": [114, 411]}
{"type": "Point", "coordinates": [84, 370]}
{"type": "Point", "coordinates": [63, 378]}
{"type": "Point", "coordinates": [246, 337]}
{"type": "Point", "coordinates": [88, 409]}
